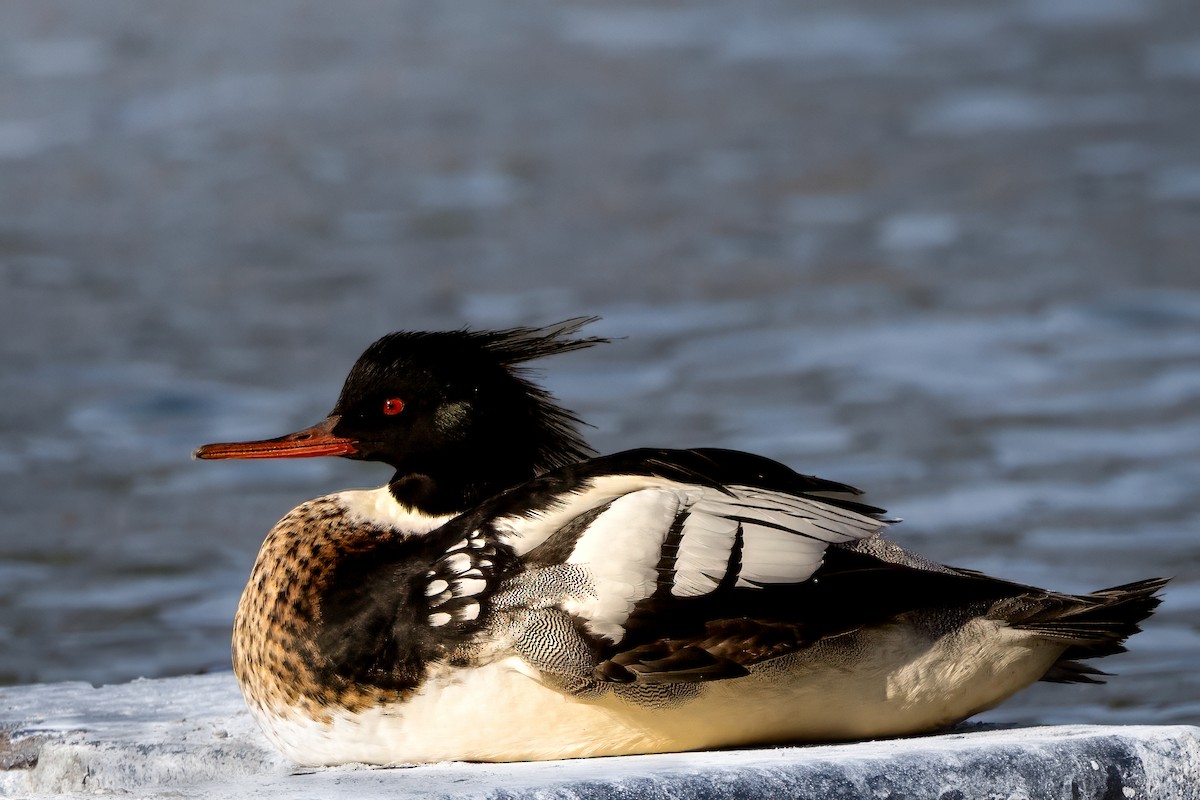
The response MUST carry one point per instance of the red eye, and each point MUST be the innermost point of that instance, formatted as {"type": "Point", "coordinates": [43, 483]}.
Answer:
{"type": "Point", "coordinates": [393, 406]}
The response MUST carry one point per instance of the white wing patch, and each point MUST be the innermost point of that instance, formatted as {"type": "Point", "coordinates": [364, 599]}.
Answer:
{"type": "Point", "coordinates": [621, 550]}
{"type": "Point", "coordinates": [524, 532]}
{"type": "Point", "coordinates": [659, 535]}
{"type": "Point", "coordinates": [782, 539]}
{"type": "Point", "coordinates": [703, 555]}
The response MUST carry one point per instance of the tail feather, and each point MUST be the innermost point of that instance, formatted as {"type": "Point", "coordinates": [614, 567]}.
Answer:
{"type": "Point", "coordinates": [1066, 671]}
{"type": "Point", "coordinates": [1093, 625]}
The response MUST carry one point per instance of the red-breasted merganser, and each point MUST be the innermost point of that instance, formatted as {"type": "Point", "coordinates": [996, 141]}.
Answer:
{"type": "Point", "coordinates": [506, 598]}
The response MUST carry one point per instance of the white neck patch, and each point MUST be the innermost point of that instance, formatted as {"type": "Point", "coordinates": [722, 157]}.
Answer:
{"type": "Point", "coordinates": [378, 507]}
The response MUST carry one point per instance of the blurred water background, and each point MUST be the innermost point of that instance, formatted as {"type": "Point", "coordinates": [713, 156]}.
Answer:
{"type": "Point", "coordinates": [944, 251]}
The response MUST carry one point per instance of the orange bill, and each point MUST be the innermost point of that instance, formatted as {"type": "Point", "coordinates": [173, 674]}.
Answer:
{"type": "Point", "coordinates": [319, 440]}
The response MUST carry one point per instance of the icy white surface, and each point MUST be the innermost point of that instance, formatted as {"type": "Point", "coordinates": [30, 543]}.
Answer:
{"type": "Point", "coordinates": [192, 738]}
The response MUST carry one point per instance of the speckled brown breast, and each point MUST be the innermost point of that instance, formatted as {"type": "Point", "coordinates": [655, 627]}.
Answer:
{"type": "Point", "coordinates": [276, 655]}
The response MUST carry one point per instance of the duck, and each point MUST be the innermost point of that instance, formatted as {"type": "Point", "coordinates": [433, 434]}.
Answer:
{"type": "Point", "coordinates": [510, 596]}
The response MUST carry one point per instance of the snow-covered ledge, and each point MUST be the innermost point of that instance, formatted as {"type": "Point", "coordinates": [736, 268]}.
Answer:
{"type": "Point", "coordinates": [192, 738]}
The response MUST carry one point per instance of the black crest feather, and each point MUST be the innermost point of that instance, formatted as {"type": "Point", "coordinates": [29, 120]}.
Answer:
{"type": "Point", "coordinates": [516, 345]}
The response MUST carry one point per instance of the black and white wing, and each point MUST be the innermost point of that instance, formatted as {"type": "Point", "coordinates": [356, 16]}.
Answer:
{"type": "Point", "coordinates": [651, 554]}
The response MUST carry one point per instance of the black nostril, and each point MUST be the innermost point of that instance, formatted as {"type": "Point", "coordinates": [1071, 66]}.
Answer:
{"type": "Point", "coordinates": [300, 437]}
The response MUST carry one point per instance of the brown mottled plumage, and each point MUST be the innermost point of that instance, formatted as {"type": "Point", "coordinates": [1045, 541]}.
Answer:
{"type": "Point", "coordinates": [275, 655]}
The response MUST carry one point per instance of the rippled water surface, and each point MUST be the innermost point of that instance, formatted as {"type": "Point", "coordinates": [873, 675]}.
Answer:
{"type": "Point", "coordinates": [947, 253]}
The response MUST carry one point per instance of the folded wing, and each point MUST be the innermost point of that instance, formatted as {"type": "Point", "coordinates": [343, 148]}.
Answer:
{"type": "Point", "coordinates": [665, 572]}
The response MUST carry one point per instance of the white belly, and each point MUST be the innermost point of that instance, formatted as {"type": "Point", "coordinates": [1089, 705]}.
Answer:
{"type": "Point", "coordinates": [882, 682]}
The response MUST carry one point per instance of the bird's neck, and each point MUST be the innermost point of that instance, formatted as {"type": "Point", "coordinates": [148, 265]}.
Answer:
{"type": "Point", "coordinates": [452, 486]}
